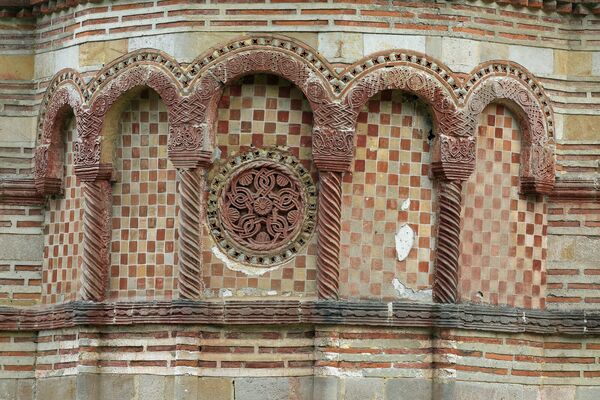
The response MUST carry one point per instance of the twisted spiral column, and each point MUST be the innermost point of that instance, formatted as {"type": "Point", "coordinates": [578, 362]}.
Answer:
{"type": "Point", "coordinates": [97, 214]}
{"type": "Point", "coordinates": [328, 230]}
{"type": "Point", "coordinates": [445, 284]}
{"type": "Point", "coordinates": [191, 188]}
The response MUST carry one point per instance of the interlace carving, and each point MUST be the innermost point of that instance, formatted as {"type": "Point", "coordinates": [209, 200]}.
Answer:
{"type": "Point", "coordinates": [261, 208]}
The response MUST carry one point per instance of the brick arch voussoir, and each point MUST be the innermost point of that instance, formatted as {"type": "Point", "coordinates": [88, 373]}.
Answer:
{"type": "Point", "coordinates": [62, 99]}
{"type": "Point", "coordinates": [521, 94]}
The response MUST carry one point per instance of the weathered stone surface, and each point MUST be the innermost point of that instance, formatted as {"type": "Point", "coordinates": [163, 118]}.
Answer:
{"type": "Point", "coordinates": [326, 388]}
{"type": "Point", "coordinates": [88, 386]}
{"type": "Point", "coordinates": [572, 63]}
{"type": "Point", "coordinates": [587, 393]}
{"type": "Point", "coordinates": [186, 387]}
{"type": "Point", "coordinates": [25, 389]}
{"type": "Point", "coordinates": [579, 127]}
{"type": "Point", "coordinates": [215, 388]}
{"type": "Point", "coordinates": [364, 388]}
{"type": "Point", "coordinates": [62, 388]}
{"type": "Point", "coordinates": [16, 67]}
{"type": "Point", "coordinates": [460, 55]}
{"type": "Point", "coordinates": [492, 391]}
{"type": "Point", "coordinates": [17, 131]}
{"type": "Point", "coordinates": [152, 387]}
{"type": "Point", "coordinates": [341, 46]}
{"type": "Point", "coordinates": [536, 59]}
{"type": "Point", "coordinates": [99, 53]}
{"type": "Point", "coordinates": [571, 248]}
{"type": "Point", "coordinates": [596, 63]}
{"type": "Point", "coordinates": [116, 386]}
{"type": "Point", "coordinates": [557, 393]}
{"type": "Point", "coordinates": [493, 51]}
{"type": "Point", "coordinates": [377, 42]}
{"type": "Point", "coordinates": [8, 389]}
{"type": "Point", "coordinates": [415, 389]}
{"type": "Point", "coordinates": [21, 247]}
{"type": "Point", "coordinates": [262, 388]}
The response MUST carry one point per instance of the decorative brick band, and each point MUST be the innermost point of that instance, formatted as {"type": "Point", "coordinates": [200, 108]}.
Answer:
{"type": "Point", "coordinates": [396, 314]}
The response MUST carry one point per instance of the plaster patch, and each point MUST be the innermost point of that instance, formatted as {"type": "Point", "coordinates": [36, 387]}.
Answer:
{"type": "Point", "coordinates": [405, 238]}
{"type": "Point", "coordinates": [332, 371]}
{"type": "Point", "coordinates": [410, 294]}
{"type": "Point", "coordinates": [239, 267]}
{"type": "Point", "coordinates": [405, 205]}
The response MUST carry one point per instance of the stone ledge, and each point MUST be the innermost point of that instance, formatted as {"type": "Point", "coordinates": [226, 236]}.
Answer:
{"type": "Point", "coordinates": [261, 312]}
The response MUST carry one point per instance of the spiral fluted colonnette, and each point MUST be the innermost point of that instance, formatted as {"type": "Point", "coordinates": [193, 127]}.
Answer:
{"type": "Point", "coordinates": [328, 230]}
{"type": "Point", "coordinates": [445, 285]}
{"type": "Point", "coordinates": [191, 188]}
{"type": "Point", "coordinates": [97, 235]}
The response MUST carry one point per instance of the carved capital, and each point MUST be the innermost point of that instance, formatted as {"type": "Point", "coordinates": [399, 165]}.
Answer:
{"type": "Point", "coordinates": [455, 157]}
{"type": "Point", "coordinates": [333, 149]}
{"type": "Point", "coordinates": [538, 175]}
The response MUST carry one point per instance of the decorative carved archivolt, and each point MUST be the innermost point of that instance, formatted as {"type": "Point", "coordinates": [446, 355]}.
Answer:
{"type": "Point", "coordinates": [261, 208]}
{"type": "Point", "coordinates": [191, 94]}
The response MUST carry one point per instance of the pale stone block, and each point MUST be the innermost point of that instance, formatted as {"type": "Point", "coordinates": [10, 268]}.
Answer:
{"type": "Point", "coordinates": [186, 387]}
{"type": "Point", "coordinates": [8, 389]}
{"type": "Point", "coordinates": [415, 389]}
{"type": "Point", "coordinates": [21, 247]}
{"type": "Point", "coordinates": [536, 59]}
{"type": "Point", "coordinates": [461, 55]}
{"type": "Point", "coordinates": [341, 46]}
{"type": "Point", "coordinates": [572, 63]}
{"type": "Point", "coordinates": [115, 386]}
{"type": "Point", "coordinates": [184, 47]}
{"type": "Point", "coordinates": [308, 38]}
{"type": "Point", "coordinates": [325, 388]}
{"type": "Point", "coordinates": [262, 388]}
{"type": "Point", "coordinates": [596, 63]}
{"type": "Point", "coordinates": [215, 388]}
{"type": "Point", "coordinates": [152, 387]}
{"type": "Point", "coordinates": [88, 386]}
{"type": "Point", "coordinates": [493, 51]}
{"type": "Point", "coordinates": [62, 388]}
{"type": "Point", "coordinates": [374, 42]}
{"type": "Point", "coordinates": [492, 391]}
{"type": "Point", "coordinates": [581, 127]}
{"type": "Point", "coordinates": [17, 130]}
{"type": "Point", "coordinates": [49, 63]}
{"type": "Point", "coordinates": [16, 66]}
{"type": "Point", "coordinates": [25, 389]}
{"type": "Point", "coordinates": [588, 393]}
{"type": "Point", "coordinates": [100, 53]}
{"type": "Point", "coordinates": [364, 388]}
{"type": "Point", "coordinates": [557, 393]}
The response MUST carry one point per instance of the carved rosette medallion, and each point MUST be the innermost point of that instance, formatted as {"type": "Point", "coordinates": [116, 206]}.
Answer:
{"type": "Point", "coordinates": [261, 209]}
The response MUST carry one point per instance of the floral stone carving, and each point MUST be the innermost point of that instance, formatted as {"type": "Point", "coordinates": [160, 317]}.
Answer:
{"type": "Point", "coordinates": [262, 207]}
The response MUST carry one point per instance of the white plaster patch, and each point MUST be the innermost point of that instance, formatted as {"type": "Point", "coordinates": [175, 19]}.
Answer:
{"type": "Point", "coordinates": [536, 59]}
{"type": "Point", "coordinates": [405, 238]}
{"type": "Point", "coordinates": [239, 267]}
{"type": "Point", "coordinates": [374, 42]}
{"type": "Point", "coordinates": [410, 294]}
{"type": "Point", "coordinates": [405, 205]}
{"type": "Point", "coordinates": [332, 371]}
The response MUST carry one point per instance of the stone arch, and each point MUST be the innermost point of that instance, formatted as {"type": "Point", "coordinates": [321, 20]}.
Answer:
{"type": "Point", "coordinates": [122, 79]}
{"type": "Point", "coordinates": [63, 98]}
{"type": "Point", "coordinates": [276, 55]}
{"type": "Point", "coordinates": [513, 86]}
{"type": "Point", "coordinates": [436, 85]}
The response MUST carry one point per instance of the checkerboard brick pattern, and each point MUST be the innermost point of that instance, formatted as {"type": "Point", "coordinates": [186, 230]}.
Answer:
{"type": "Point", "coordinates": [391, 165]}
{"type": "Point", "coordinates": [63, 234]}
{"type": "Point", "coordinates": [144, 237]}
{"type": "Point", "coordinates": [263, 111]}
{"type": "Point", "coordinates": [503, 234]}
